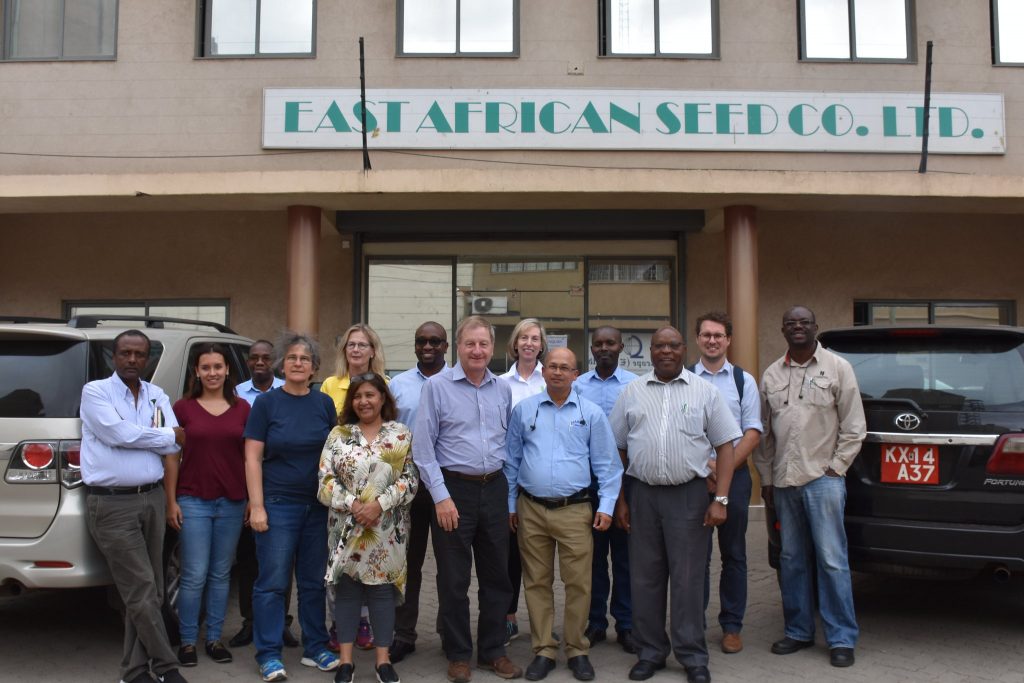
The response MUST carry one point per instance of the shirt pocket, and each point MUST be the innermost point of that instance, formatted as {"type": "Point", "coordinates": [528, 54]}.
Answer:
{"type": "Point", "coordinates": [777, 396]}
{"type": "Point", "coordinates": [577, 440]}
{"type": "Point", "coordinates": [820, 391]}
{"type": "Point", "coordinates": [691, 422]}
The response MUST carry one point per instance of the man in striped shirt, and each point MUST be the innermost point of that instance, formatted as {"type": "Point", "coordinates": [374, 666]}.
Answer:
{"type": "Point", "coordinates": [667, 425]}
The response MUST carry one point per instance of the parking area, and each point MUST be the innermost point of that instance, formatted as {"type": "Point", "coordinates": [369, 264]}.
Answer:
{"type": "Point", "coordinates": [911, 630]}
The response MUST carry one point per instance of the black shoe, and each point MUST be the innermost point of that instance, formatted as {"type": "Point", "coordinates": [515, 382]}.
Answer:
{"type": "Point", "coordinates": [172, 676]}
{"type": "Point", "coordinates": [288, 638]}
{"type": "Point", "coordinates": [244, 635]}
{"type": "Point", "coordinates": [625, 639]}
{"type": "Point", "coordinates": [539, 668]}
{"type": "Point", "coordinates": [400, 649]}
{"type": "Point", "coordinates": [698, 674]}
{"type": "Point", "coordinates": [595, 635]}
{"type": "Point", "coordinates": [217, 652]}
{"type": "Point", "coordinates": [387, 674]}
{"type": "Point", "coordinates": [187, 655]}
{"type": "Point", "coordinates": [788, 646]}
{"type": "Point", "coordinates": [344, 673]}
{"type": "Point", "coordinates": [581, 668]}
{"type": "Point", "coordinates": [841, 656]}
{"type": "Point", "coordinates": [644, 669]}
{"type": "Point", "coordinates": [143, 677]}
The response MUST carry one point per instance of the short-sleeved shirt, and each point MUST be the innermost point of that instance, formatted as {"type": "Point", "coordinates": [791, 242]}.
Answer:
{"type": "Point", "coordinates": [293, 430]}
{"type": "Point", "coordinates": [746, 410]}
{"type": "Point", "coordinates": [213, 458]}
{"type": "Point", "coordinates": [603, 392]}
{"type": "Point", "coordinates": [669, 430]}
{"type": "Point", "coordinates": [250, 393]}
{"type": "Point", "coordinates": [406, 388]}
{"type": "Point", "coordinates": [523, 388]}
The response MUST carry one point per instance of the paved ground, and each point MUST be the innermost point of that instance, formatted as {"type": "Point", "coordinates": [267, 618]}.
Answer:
{"type": "Point", "coordinates": [947, 632]}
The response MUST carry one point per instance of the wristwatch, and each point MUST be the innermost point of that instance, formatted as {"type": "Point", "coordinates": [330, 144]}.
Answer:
{"type": "Point", "coordinates": [724, 500]}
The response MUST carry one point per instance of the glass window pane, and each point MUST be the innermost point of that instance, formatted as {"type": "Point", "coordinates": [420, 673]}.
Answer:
{"type": "Point", "coordinates": [89, 28]}
{"type": "Point", "coordinates": [233, 27]}
{"type": "Point", "coordinates": [685, 26]}
{"type": "Point", "coordinates": [215, 313]}
{"type": "Point", "coordinates": [826, 29]}
{"type": "Point", "coordinates": [35, 28]}
{"type": "Point", "coordinates": [401, 297]}
{"type": "Point", "coordinates": [485, 26]}
{"type": "Point", "coordinates": [881, 29]}
{"type": "Point", "coordinates": [966, 314]}
{"type": "Point", "coordinates": [1010, 14]}
{"type": "Point", "coordinates": [286, 26]}
{"type": "Point", "coordinates": [635, 297]}
{"type": "Point", "coordinates": [428, 26]}
{"type": "Point", "coordinates": [631, 26]}
{"type": "Point", "coordinates": [905, 314]}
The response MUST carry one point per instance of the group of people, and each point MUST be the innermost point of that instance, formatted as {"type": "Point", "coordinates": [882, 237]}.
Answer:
{"type": "Point", "coordinates": [342, 488]}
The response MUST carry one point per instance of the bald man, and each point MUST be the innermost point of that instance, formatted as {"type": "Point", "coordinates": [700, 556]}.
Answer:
{"type": "Point", "coordinates": [554, 441]}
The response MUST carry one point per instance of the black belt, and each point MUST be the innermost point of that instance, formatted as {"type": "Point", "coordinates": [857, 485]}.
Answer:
{"type": "Point", "coordinates": [120, 490]}
{"type": "Point", "coordinates": [479, 478]}
{"type": "Point", "coordinates": [581, 496]}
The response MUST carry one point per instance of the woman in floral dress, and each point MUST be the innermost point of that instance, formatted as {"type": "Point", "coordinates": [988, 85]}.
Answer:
{"type": "Point", "coordinates": [368, 481]}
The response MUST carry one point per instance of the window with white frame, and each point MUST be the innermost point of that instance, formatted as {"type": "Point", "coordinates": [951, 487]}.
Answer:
{"type": "Point", "coordinates": [658, 28]}
{"type": "Point", "coordinates": [257, 28]}
{"type": "Point", "coordinates": [458, 27]}
{"type": "Point", "coordinates": [58, 29]}
{"type": "Point", "coordinates": [1008, 32]}
{"type": "Point", "coordinates": [856, 30]}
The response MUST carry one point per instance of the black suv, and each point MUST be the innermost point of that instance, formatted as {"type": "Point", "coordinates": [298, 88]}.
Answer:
{"type": "Point", "coordinates": [938, 487]}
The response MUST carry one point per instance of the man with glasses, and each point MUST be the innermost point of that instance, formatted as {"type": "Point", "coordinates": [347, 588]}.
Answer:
{"type": "Point", "coordinates": [667, 425]}
{"type": "Point", "coordinates": [430, 346]}
{"type": "Point", "coordinates": [555, 439]}
{"type": "Point", "coordinates": [459, 446]}
{"type": "Point", "coordinates": [738, 388]}
{"type": "Point", "coordinates": [814, 426]}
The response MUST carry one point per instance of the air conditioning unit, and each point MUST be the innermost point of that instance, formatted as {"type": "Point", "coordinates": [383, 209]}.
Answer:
{"type": "Point", "coordinates": [484, 305]}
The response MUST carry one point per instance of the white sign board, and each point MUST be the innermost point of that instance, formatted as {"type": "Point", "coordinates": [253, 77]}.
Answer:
{"type": "Point", "coordinates": [609, 119]}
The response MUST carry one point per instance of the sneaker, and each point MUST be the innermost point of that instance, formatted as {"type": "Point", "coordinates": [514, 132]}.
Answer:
{"type": "Point", "coordinates": [511, 631]}
{"type": "Point", "coordinates": [364, 637]}
{"type": "Point", "coordinates": [387, 674]}
{"type": "Point", "coordinates": [324, 660]}
{"type": "Point", "coordinates": [345, 673]}
{"type": "Point", "coordinates": [333, 644]}
{"type": "Point", "coordinates": [143, 677]}
{"type": "Point", "coordinates": [273, 670]}
{"type": "Point", "coordinates": [187, 655]}
{"type": "Point", "coordinates": [172, 676]}
{"type": "Point", "coordinates": [217, 652]}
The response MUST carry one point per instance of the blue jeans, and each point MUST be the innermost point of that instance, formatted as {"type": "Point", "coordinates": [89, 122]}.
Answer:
{"type": "Point", "coordinates": [616, 541]}
{"type": "Point", "coordinates": [732, 545]}
{"type": "Point", "coordinates": [813, 539]}
{"type": "Point", "coordinates": [297, 534]}
{"type": "Point", "coordinates": [209, 534]}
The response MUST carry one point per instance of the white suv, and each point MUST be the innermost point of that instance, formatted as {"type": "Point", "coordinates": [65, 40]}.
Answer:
{"type": "Point", "coordinates": [44, 542]}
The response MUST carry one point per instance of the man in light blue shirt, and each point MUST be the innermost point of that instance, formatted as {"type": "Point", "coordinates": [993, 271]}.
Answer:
{"type": "Point", "coordinates": [261, 367]}
{"type": "Point", "coordinates": [602, 385]}
{"type": "Point", "coordinates": [127, 428]}
{"type": "Point", "coordinates": [714, 334]}
{"type": "Point", "coordinates": [554, 441]}
{"type": "Point", "coordinates": [430, 346]}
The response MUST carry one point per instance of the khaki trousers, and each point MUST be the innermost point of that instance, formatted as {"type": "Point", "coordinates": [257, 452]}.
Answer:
{"type": "Point", "coordinates": [540, 531]}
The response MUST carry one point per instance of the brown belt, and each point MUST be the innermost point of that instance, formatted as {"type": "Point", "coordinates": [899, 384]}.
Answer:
{"type": "Point", "coordinates": [479, 478]}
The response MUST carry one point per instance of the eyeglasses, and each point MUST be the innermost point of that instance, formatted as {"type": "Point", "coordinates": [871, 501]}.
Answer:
{"type": "Point", "coordinates": [362, 346]}
{"type": "Point", "coordinates": [803, 322]}
{"type": "Point", "coordinates": [432, 341]}
{"type": "Point", "coordinates": [365, 377]}
{"type": "Point", "coordinates": [708, 336]}
{"type": "Point", "coordinates": [301, 360]}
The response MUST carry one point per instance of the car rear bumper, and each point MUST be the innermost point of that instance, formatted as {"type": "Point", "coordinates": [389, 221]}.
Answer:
{"type": "Point", "coordinates": [903, 543]}
{"type": "Point", "coordinates": [66, 540]}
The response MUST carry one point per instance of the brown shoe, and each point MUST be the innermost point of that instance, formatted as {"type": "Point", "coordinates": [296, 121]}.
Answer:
{"type": "Point", "coordinates": [459, 672]}
{"type": "Point", "coordinates": [731, 643]}
{"type": "Point", "coordinates": [502, 667]}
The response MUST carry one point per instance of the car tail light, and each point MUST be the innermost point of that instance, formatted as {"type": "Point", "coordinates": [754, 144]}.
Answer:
{"type": "Point", "coordinates": [33, 462]}
{"type": "Point", "coordinates": [70, 461]}
{"type": "Point", "coordinates": [37, 456]}
{"type": "Point", "coordinates": [1008, 456]}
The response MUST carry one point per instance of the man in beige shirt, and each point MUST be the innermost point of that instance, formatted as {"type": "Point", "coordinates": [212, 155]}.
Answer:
{"type": "Point", "coordinates": [814, 425]}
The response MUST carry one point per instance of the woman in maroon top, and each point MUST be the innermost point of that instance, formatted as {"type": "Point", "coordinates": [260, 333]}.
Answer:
{"type": "Point", "coordinates": [206, 496]}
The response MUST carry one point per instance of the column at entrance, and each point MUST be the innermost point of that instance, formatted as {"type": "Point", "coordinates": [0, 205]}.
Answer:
{"type": "Point", "coordinates": [304, 269]}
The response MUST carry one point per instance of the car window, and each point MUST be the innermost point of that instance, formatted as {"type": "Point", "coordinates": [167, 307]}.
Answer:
{"type": "Point", "coordinates": [101, 359]}
{"type": "Point", "coordinates": [939, 373]}
{"type": "Point", "coordinates": [41, 377]}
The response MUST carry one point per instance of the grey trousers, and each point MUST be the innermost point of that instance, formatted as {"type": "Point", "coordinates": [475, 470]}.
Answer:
{"type": "Point", "coordinates": [668, 546]}
{"type": "Point", "coordinates": [129, 531]}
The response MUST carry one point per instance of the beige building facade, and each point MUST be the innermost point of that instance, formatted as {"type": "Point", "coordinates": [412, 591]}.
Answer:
{"type": "Point", "coordinates": [136, 168]}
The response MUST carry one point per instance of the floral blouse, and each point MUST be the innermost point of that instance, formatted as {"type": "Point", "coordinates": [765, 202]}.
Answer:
{"type": "Point", "coordinates": [352, 469]}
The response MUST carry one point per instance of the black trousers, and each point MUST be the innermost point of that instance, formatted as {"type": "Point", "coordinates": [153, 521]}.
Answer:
{"type": "Point", "coordinates": [407, 614]}
{"type": "Point", "coordinates": [482, 536]}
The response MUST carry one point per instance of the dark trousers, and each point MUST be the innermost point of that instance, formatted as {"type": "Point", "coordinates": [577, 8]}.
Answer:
{"type": "Point", "coordinates": [668, 545]}
{"type": "Point", "coordinates": [515, 572]}
{"type": "Point", "coordinates": [129, 531]}
{"type": "Point", "coordinates": [407, 614]}
{"type": "Point", "coordinates": [482, 536]}
{"type": "Point", "coordinates": [616, 541]}
{"type": "Point", "coordinates": [350, 596]}
{"type": "Point", "coordinates": [732, 545]}
{"type": "Point", "coordinates": [247, 567]}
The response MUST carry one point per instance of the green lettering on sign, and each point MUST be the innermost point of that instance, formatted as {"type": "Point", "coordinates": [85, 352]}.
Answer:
{"type": "Point", "coordinates": [665, 114]}
{"type": "Point", "coordinates": [529, 117]}
{"type": "Point", "coordinates": [547, 117]}
{"type": "Point", "coordinates": [593, 120]}
{"type": "Point", "coordinates": [394, 115]}
{"type": "Point", "coordinates": [437, 120]}
{"type": "Point", "coordinates": [492, 117]}
{"type": "Point", "coordinates": [796, 120]}
{"type": "Point", "coordinates": [624, 116]}
{"type": "Point", "coordinates": [691, 117]}
{"type": "Point", "coordinates": [335, 119]}
{"type": "Point", "coordinates": [755, 119]}
{"type": "Point", "coordinates": [723, 115]}
{"type": "Point", "coordinates": [291, 116]}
